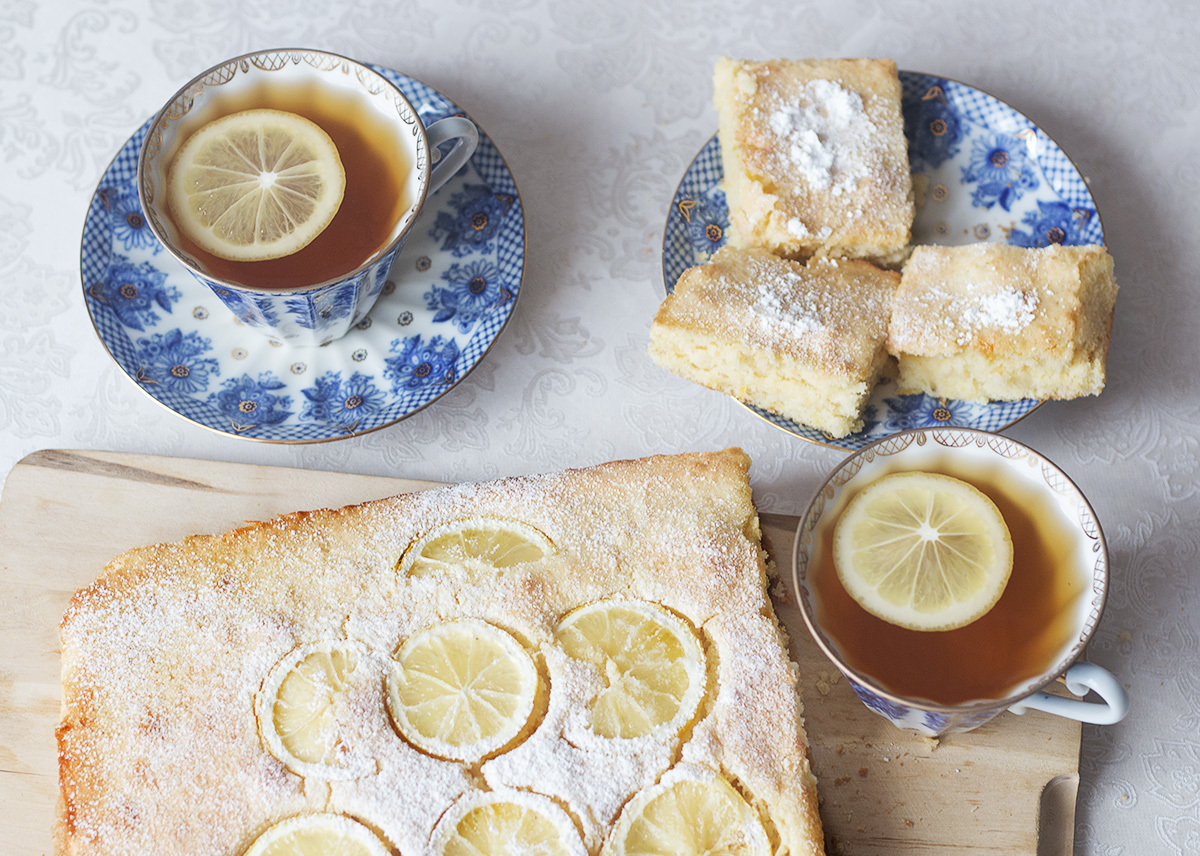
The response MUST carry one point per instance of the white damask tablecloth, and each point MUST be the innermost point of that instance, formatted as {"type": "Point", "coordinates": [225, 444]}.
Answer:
{"type": "Point", "coordinates": [598, 108]}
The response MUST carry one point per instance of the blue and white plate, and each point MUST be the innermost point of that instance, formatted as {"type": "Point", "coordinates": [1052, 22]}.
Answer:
{"type": "Point", "coordinates": [450, 292]}
{"type": "Point", "coordinates": [989, 174]}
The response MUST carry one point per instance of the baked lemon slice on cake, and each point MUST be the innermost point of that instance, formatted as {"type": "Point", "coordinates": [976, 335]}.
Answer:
{"type": "Point", "coordinates": [923, 551]}
{"type": "Point", "coordinates": [692, 813]}
{"type": "Point", "coordinates": [506, 823]}
{"type": "Point", "coordinates": [255, 185]}
{"type": "Point", "coordinates": [318, 835]}
{"type": "Point", "coordinates": [462, 690]}
{"type": "Point", "coordinates": [492, 542]}
{"type": "Point", "coordinates": [306, 703]}
{"type": "Point", "coordinates": [649, 659]}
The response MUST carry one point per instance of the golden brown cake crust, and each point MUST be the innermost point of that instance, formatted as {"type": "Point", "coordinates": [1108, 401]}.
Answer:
{"type": "Point", "coordinates": [992, 321]}
{"type": "Point", "coordinates": [832, 314]}
{"type": "Point", "coordinates": [815, 157]}
{"type": "Point", "coordinates": [803, 340]}
{"type": "Point", "coordinates": [163, 655]}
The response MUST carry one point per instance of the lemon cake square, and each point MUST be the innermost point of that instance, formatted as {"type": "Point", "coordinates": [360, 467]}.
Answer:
{"type": "Point", "coordinates": [550, 664]}
{"type": "Point", "coordinates": [815, 157]}
{"type": "Point", "coordinates": [991, 322]}
{"type": "Point", "coordinates": [804, 340]}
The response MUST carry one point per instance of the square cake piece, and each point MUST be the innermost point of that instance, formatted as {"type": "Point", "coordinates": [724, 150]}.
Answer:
{"type": "Point", "coordinates": [559, 654]}
{"type": "Point", "coordinates": [991, 322]}
{"type": "Point", "coordinates": [805, 341]}
{"type": "Point", "coordinates": [815, 157]}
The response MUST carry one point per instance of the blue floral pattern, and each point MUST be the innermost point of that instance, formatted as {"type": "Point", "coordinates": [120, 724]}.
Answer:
{"type": "Point", "coordinates": [416, 364]}
{"type": "Point", "coordinates": [174, 361]}
{"type": "Point", "coordinates": [917, 716]}
{"type": "Point", "coordinates": [128, 220]}
{"type": "Point", "coordinates": [298, 309]}
{"type": "Point", "coordinates": [342, 403]}
{"type": "Point", "coordinates": [1052, 223]}
{"type": "Point", "coordinates": [880, 705]}
{"type": "Point", "coordinates": [134, 291]}
{"type": "Point", "coordinates": [707, 225]}
{"type": "Point", "coordinates": [248, 403]}
{"type": "Point", "coordinates": [933, 128]}
{"type": "Point", "coordinates": [245, 309]}
{"type": "Point", "coordinates": [474, 289]}
{"type": "Point", "coordinates": [329, 307]}
{"type": "Point", "coordinates": [478, 216]}
{"type": "Point", "coordinates": [933, 721]}
{"type": "Point", "coordinates": [205, 365]}
{"type": "Point", "coordinates": [1002, 169]}
{"type": "Point", "coordinates": [870, 418]}
{"type": "Point", "coordinates": [905, 412]}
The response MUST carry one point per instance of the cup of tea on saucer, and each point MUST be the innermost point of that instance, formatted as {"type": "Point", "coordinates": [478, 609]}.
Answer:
{"type": "Point", "coordinates": [286, 181]}
{"type": "Point", "coordinates": [953, 574]}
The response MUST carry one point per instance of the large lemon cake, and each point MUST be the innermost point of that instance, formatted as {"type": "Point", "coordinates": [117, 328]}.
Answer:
{"type": "Point", "coordinates": [994, 322]}
{"type": "Point", "coordinates": [815, 158]}
{"type": "Point", "coordinates": [805, 341]}
{"type": "Point", "coordinates": [577, 663]}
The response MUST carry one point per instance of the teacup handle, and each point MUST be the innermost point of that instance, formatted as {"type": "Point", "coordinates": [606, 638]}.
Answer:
{"type": "Point", "coordinates": [1080, 678]}
{"type": "Point", "coordinates": [446, 165]}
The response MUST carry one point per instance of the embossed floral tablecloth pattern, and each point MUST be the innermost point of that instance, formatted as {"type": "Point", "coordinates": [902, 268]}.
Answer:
{"type": "Point", "coordinates": [598, 109]}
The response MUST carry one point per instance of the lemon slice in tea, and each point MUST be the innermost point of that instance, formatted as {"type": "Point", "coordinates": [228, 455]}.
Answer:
{"type": "Point", "coordinates": [507, 824]}
{"type": "Point", "coordinates": [923, 551]}
{"type": "Point", "coordinates": [650, 661]}
{"type": "Point", "coordinates": [462, 689]}
{"type": "Point", "coordinates": [256, 185]}
{"type": "Point", "coordinates": [695, 814]}
{"type": "Point", "coordinates": [491, 542]}
{"type": "Point", "coordinates": [312, 834]}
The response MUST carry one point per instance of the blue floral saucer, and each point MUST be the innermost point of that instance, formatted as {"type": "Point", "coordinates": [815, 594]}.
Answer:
{"type": "Point", "coordinates": [450, 292]}
{"type": "Point", "coordinates": [988, 174]}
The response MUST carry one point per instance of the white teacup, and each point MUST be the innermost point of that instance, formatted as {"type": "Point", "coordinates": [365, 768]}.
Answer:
{"type": "Point", "coordinates": [1035, 496]}
{"type": "Point", "coordinates": [305, 312]}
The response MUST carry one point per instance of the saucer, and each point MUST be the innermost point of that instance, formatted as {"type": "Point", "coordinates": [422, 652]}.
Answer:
{"type": "Point", "coordinates": [956, 136]}
{"type": "Point", "coordinates": [449, 294]}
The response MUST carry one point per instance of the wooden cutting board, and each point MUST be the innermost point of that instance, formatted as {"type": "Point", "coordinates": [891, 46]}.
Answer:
{"type": "Point", "coordinates": [1006, 788]}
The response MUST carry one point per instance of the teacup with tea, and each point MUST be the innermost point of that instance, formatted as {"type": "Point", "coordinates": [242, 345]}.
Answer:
{"type": "Point", "coordinates": [952, 574]}
{"type": "Point", "coordinates": [287, 180]}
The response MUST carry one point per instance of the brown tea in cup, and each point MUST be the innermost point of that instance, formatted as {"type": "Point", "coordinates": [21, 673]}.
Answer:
{"type": "Point", "coordinates": [250, 196]}
{"type": "Point", "coordinates": [937, 682]}
{"type": "Point", "coordinates": [375, 198]}
{"type": "Point", "coordinates": [1017, 639]}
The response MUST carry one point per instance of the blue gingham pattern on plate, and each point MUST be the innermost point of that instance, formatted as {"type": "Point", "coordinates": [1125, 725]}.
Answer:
{"type": "Point", "coordinates": [701, 182]}
{"type": "Point", "coordinates": [174, 339]}
{"type": "Point", "coordinates": [950, 128]}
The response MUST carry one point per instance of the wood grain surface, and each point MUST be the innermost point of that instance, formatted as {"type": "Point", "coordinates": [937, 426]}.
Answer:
{"type": "Point", "coordinates": [1006, 788]}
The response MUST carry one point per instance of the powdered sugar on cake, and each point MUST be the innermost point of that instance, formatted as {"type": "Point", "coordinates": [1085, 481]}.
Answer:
{"type": "Point", "coordinates": [825, 137]}
{"type": "Point", "coordinates": [592, 775]}
{"type": "Point", "coordinates": [805, 309]}
{"type": "Point", "coordinates": [164, 659]}
{"type": "Point", "coordinates": [797, 316]}
{"type": "Point", "coordinates": [964, 314]}
{"type": "Point", "coordinates": [813, 157]}
{"type": "Point", "coordinates": [181, 662]}
{"type": "Point", "coordinates": [966, 304]}
{"type": "Point", "coordinates": [1008, 310]}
